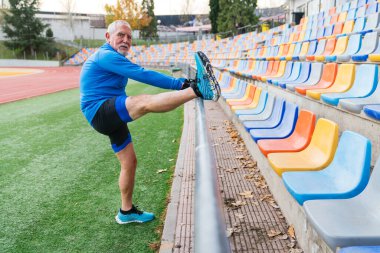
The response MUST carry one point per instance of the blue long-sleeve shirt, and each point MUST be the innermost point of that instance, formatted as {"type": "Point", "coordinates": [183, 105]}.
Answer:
{"type": "Point", "coordinates": [105, 75]}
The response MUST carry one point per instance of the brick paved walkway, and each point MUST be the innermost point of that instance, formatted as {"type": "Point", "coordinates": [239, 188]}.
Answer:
{"type": "Point", "coordinates": [254, 221]}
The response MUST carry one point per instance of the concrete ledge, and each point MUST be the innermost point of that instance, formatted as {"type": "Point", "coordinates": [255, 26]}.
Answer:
{"type": "Point", "coordinates": [345, 119]}
{"type": "Point", "coordinates": [307, 237]}
{"type": "Point", "coordinates": [27, 63]}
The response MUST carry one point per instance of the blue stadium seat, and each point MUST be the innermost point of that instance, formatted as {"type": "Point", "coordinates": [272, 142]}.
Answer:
{"type": "Point", "coordinates": [293, 75]}
{"type": "Point", "coordinates": [314, 77]}
{"type": "Point", "coordinates": [349, 222]}
{"type": "Point", "coordinates": [368, 46]}
{"type": "Point", "coordinates": [345, 177]}
{"type": "Point", "coordinates": [302, 77]}
{"type": "Point", "coordinates": [356, 104]}
{"type": "Point", "coordinates": [272, 121]}
{"type": "Point", "coordinates": [283, 130]}
{"type": "Point", "coordinates": [354, 44]}
{"type": "Point", "coordinates": [366, 78]}
{"type": "Point", "coordinates": [360, 249]}
{"type": "Point", "coordinates": [264, 101]}
{"type": "Point", "coordinates": [372, 111]}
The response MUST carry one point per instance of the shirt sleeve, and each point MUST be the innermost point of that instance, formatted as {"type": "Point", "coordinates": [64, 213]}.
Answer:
{"type": "Point", "coordinates": [120, 65]}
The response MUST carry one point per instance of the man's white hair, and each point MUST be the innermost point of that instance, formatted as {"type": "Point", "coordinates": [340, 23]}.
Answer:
{"type": "Point", "coordinates": [112, 27]}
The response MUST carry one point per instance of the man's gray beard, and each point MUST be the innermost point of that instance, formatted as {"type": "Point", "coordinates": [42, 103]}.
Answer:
{"type": "Point", "coordinates": [122, 52]}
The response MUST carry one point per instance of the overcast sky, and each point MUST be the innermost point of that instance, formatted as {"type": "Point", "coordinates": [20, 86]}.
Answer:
{"type": "Point", "coordinates": [162, 7]}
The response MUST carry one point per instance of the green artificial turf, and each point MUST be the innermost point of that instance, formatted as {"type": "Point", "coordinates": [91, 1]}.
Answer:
{"type": "Point", "coordinates": [59, 178]}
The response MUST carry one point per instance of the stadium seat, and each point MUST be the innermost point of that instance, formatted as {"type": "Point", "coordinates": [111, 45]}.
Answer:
{"type": "Point", "coordinates": [368, 46]}
{"type": "Point", "coordinates": [315, 73]}
{"type": "Point", "coordinates": [360, 249]}
{"type": "Point", "coordinates": [265, 72]}
{"type": "Point", "coordinates": [272, 121]}
{"type": "Point", "coordinates": [372, 111]}
{"type": "Point", "coordinates": [316, 156]}
{"type": "Point", "coordinates": [356, 104]}
{"type": "Point", "coordinates": [248, 72]}
{"type": "Point", "coordinates": [297, 51]}
{"type": "Point", "coordinates": [319, 50]}
{"type": "Point", "coordinates": [329, 48]}
{"type": "Point", "coordinates": [343, 81]}
{"type": "Point", "coordinates": [348, 27]}
{"type": "Point", "coordinates": [246, 98]}
{"type": "Point", "coordinates": [251, 101]}
{"type": "Point", "coordinates": [354, 44]}
{"type": "Point", "coordinates": [302, 77]}
{"type": "Point", "coordinates": [283, 130]}
{"type": "Point", "coordinates": [233, 86]}
{"type": "Point", "coordinates": [264, 101]}
{"type": "Point", "coordinates": [296, 69]}
{"type": "Point", "coordinates": [312, 46]}
{"type": "Point", "coordinates": [366, 78]}
{"type": "Point", "coordinates": [284, 71]}
{"type": "Point", "coordinates": [359, 24]}
{"type": "Point", "coordinates": [372, 22]}
{"type": "Point", "coordinates": [340, 48]}
{"type": "Point", "coordinates": [345, 177]}
{"type": "Point", "coordinates": [327, 79]}
{"type": "Point", "coordinates": [349, 222]}
{"type": "Point", "coordinates": [299, 139]}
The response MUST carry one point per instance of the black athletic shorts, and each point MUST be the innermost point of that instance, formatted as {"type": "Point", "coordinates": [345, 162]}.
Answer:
{"type": "Point", "coordinates": [111, 120]}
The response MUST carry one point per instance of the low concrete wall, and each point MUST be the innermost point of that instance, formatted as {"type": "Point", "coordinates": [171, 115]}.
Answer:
{"type": "Point", "coordinates": [27, 63]}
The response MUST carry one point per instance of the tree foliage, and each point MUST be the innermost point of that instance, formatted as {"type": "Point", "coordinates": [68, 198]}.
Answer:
{"type": "Point", "coordinates": [149, 31]}
{"type": "Point", "coordinates": [235, 14]}
{"type": "Point", "coordinates": [214, 12]}
{"type": "Point", "coordinates": [23, 29]}
{"type": "Point", "coordinates": [129, 11]}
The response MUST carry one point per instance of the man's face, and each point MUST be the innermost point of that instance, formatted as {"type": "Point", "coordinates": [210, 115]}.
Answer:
{"type": "Point", "coordinates": [121, 39]}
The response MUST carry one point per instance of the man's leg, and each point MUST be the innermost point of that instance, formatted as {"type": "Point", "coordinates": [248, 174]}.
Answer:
{"type": "Point", "coordinates": [128, 163]}
{"type": "Point", "coordinates": [140, 105]}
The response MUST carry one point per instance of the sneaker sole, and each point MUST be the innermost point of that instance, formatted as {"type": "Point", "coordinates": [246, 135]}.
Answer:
{"type": "Point", "coordinates": [207, 68]}
{"type": "Point", "coordinates": [126, 222]}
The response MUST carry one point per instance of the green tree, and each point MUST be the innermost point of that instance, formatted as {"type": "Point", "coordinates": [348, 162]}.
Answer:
{"type": "Point", "coordinates": [214, 12]}
{"type": "Point", "coordinates": [235, 14]}
{"type": "Point", "coordinates": [23, 29]}
{"type": "Point", "coordinates": [149, 31]}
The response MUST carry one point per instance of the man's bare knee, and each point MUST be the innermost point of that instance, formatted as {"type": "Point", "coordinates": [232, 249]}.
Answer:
{"type": "Point", "coordinates": [137, 106]}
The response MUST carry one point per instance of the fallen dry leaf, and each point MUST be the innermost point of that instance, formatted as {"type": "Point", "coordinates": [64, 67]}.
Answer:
{"type": "Point", "coordinates": [291, 232]}
{"type": "Point", "coordinates": [272, 233]}
{"type": "Point", "coordinates": [161, 171]}
{"type": "Point", "coordinates": [246, 194]}
{"type": "Point", "coordinates": [239, 203]}
{"type": "Point", "coordinates": [283, 237]}
{"type": "Point", "coordinates": [295, 251]}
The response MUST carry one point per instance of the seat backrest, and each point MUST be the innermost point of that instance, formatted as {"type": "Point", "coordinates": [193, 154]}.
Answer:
{"type": "Point", "coordinates": [345, 76]}
{"type": "Point", "coordinates": [361, 12]}
{"type": "Point", "coordinates": [321, 47]}
{"type": "Point", "coordinates": [359, 24]}
{"type": "Point", "coordinates": [315, 73]}
{"type": "Point", "coordinates": [304, 48]}
{"type": "Point", "coordinates": [362, 3]}
{"type": "Point", "coordinates": [304, 126]}
{"type": "Point", "coordinates": [348, 26]}
{"type": "Point", "coordinates": [341, 45]}
{"type": "Point", "coordinates": [372, 21]}
{"type": "Point", "coordinates": [329, 30]}
{"type": "Point", "coordinates": [338, 28]}
{"type": "Point", "coordinates": [365, 81]}
{"type": "Point", "coordinates": [369, 43]}
{"type": "Point", "coordinates": [297, 49]}
{"type": "Point", "coordinates": [354, 4]}
{"type": "Point", "coordinates": [320, 32]}
{"type": "Point", "coordinates": [342, 16]}
{"type": "Point", "coordinates": [325, 136]}
{"type": "Point", "coordinates": [371, 8]}
{"type": "Point", "coordinates": [330, 45]}
{"type": "Point", "coordinates": [352, 160]}
{"type": "Point", "coordinates": [276, 65]}
{"type": "Point", "coordinates": [329, 72]}
{"type": "Point", "coordinates": [291, 49]}
{"type": "Point", "coordinates": [351, 15]}
{"type": "Point", "coordinates": [354, 44]}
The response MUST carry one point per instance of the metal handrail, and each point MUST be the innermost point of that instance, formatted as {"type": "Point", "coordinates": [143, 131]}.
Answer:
{"type": "Point", "coordinates": [210, 228]}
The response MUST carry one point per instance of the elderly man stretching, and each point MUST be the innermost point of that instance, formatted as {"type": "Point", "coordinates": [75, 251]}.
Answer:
{"type": "Point", "coordinates": [108, 109]}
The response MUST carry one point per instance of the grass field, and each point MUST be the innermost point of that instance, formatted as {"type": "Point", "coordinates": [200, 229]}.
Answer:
{"type": "Point", "coordinates": [58, 177]}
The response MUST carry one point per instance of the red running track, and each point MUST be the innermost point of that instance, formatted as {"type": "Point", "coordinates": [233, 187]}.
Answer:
{"type": "Point", "coordinates": [51, 80]}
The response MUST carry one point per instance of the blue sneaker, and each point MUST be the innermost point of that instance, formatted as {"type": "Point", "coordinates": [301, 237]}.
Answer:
{"type": "Point", "coordinates": [134, 215]}
{"type": "Point", "coordinates": [207, 86]}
